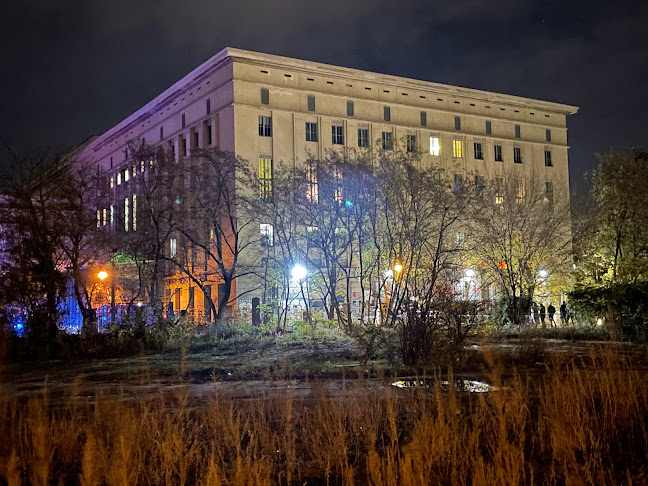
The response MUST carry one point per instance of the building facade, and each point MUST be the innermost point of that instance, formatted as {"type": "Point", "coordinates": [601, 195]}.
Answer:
{"type": "Point", "coordinates": [270, 109]}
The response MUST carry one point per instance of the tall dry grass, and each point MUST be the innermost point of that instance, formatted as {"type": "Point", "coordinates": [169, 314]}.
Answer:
{"type": "Point", "coordinates": [579, 423]}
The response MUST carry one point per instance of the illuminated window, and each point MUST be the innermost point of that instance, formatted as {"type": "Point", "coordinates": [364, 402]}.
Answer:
{"type": "Point", "coordinates": [363, 137]}
{"type": "Point", "coordinates": [105, 218]}
{"type": "Point", "coordinates": [265, 126]}
{"type": "Point", "coordinates": [387, 141]}
{"type": "Point", "coordinates": [478, 151]}
{"type": "Point", "coordinates": [498, 153]}
{"type": "Point", "coordinates": [112, 182]}
{"type": "Point", "coordinates": [499, 187]}
{"type": "Point", "coordinates": [118, 178]}
{"type": "Point", "coordinates": [98, 218]}
{"type": "Point", "coordinates": [126, 175]}
{"type": "Point", "coordinates": [411, 143]}
{"type": "Point", "coordinates": [112, 214]}
{"type": "Point", "coordinates": [435, 147]}
{"type": "Point", "coordinates": [520, 191]}
{"type": "Point", "coordinates": [337, 134]}
{"type": "Point", "coordinates": [548, 158]}
{"type": "Point", "coordinates": [311, 182]}
{"type": "Point", "coordinates": [265, 177]}
{"type": "Point", "coordinates": [457, 149]}
{"type": "Point", "coordinates": [311, 131]}
{"type": "Point", "coordinates": [173, 247]}
{"type": "Point", "coordinates": [142, 166]}
{"type": "Point", "coordinates": [267, 234]}
{"type": "Point", "coordinates": [517, 155]}
{"type": "Point", "coordinates": [134, 212]}
{"type": "Point", "coordinates": [126, 213]}
{"type": "Point", "coordinates": [460, 238]}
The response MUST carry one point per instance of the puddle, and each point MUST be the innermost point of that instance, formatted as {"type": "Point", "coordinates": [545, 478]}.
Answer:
{"type": "Point", "coordinates": [470, 386]}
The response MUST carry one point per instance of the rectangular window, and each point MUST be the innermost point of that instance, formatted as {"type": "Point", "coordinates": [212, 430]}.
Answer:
{"type": "Point", "coordinates": [209, 135]}
{"type": "Point", "coordinates": [363, 137]}
{"type": "Point", "coordinates": [435, 147]}
{"type": "Point", "coordinates": [498, 153]}
{"type": "Point", "coordinates": [423, 119]}
{"type": "Point", "coordinates": [411, 143]}
{"type": "Point", "coordinates": [458, 183]}
{"type": "Point", "coordinates": [549, 191]}
{"type": "Point", "coordinates": [457, 123]}
{"type": "Point", "coordinates": [387, 113]}
{"type": "Point", "coordinates": [126, 213]}
{"type": "Point", "coordinates": [548, 158]}
{"type": "Point", "coordinates": [98, 218]}
{"type": "Point", "coordinates": [517, 155]}
{"type": "Point", "coordinates": [183, 120]}
{"type": "Point", "coordinates": [548, 135]}
{"type": "Point", "coordinates": [489, 128]}
{"type": "Point", "coordinates": [311, 132]}
{"type": "Point", "coordinates": [350, 108]}
{"type": "Point", "coordinates": [134, 212]}
{"type": "Point", "coordinates": [520, 191]}
{"type": "Point", "coordinates": [311, 103]}
{"type": "Point", "coordinates": [265, 126]}
{"type": "Point", "coordinates": [112, 182]}
{"type": "Point", "coordinates": [112, 215]}
{"type": "Point", "coordinates": [478, 151]}
{"type": "Point", "coordinates": [337, 134]}
{"type": "Point", "coordinates": [119, 178]}
{"type": "Point", "coordinates": [183, 145]}
{"type": "Point", "coordinates": [457, 149]}
{"type": "Point", "coordinates": [142, 166]}
{"type": "Point", "coordinates": [517, 131]}
{"type": "Point", "coordinates": [173, 247]}
{"type": "Point", "coordinates": [265, 177]}
{"type": "Point", "coordinates": [267, 235]}
{"type": "Point", "coordinates": [208, 106]}
{"type": "Point", "coordinates": [387, 142]}
{"type": "Point", "coordinates": [161, 133]}
{"type": "Point", "coordinates": [499, 190]}
{"type": "Point", "coordinates": [311, 182]}
{"type": "Point", "coordinates": [105, 216]}
{"type": "Point", "coordinates": [480, 183]}
{"type": "Point", "coordinates": [195, 139]}
{"type": "Point", "coordinates": [265, 96]}
{"type": "Point", "coordinates": [460, 238]}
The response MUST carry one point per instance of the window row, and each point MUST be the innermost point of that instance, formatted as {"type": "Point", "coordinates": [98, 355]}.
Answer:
{"type": "Point", "coordinates": [350, 109]}
{"type": "Point", "coordinates": [107, 216]}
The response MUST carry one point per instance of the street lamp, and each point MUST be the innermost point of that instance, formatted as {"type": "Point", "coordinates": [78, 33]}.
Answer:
{"type": "Point", "coordinates": [298, 272]}
{"type": "Point", "coordinates": [398, 267]}
{"type": "Point", "coordinates": [103, 275]}
{"type": "Point", "coordinates": [543, 273]}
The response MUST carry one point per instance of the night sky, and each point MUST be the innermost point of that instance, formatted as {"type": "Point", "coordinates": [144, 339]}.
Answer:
{"type": "Point", "coordinates": [74, 68]}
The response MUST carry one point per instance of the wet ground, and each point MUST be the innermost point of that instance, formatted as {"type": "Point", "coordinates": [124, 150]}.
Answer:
{"type": "Point", "coordinates": [295, 369]}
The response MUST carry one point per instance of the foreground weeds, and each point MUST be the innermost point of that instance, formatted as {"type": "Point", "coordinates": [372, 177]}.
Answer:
{"type": "Point", "coordinates": [581, 423]}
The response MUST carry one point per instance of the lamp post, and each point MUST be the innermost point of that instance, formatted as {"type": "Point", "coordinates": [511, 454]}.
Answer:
{"type": "Point", "coordinates": [469, 274]}
{"type": "Point", "coordinates": [299, 273]}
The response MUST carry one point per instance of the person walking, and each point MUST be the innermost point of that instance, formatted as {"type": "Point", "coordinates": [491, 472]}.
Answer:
{"type": "Point", "coordinates": [551, 312]}
{"type": "Point", "coordinates": [563, 313]}
{"type": "Point", "coordinates": [534, 313]}
{"type": "Point", "coordinates": [543, 312]}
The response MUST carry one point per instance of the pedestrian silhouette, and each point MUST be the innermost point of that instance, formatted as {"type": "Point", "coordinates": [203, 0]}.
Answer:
{"type": "Point", "coordinates": [563, 313]}
{"type": "Point", "coordinates": [543, 313]}
{"type": "Point", "coordinates": [551, 311]}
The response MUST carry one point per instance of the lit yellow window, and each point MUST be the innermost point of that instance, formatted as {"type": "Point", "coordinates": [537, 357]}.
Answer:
{"type": "Point", "coordinates": [265, 177]}
{"type": "Point", "coordinates": [457, 149]}
{"type": "Point", "coordinates": [435, 146]}
{"type": "Point", "coordinates": [311, 183]}
{"type": "Point", "coordinates": [112, 182]}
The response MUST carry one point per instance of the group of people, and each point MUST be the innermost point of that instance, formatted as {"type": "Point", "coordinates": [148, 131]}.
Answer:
{"type": "Point", "coordinates": [549, 313]}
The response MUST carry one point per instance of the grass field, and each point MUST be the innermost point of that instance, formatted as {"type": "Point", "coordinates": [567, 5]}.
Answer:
{"type": "Point", "coordinates": [294, 411]}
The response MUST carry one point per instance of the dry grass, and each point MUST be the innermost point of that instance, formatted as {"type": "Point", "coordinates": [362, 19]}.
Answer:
{"type": "Point", "coordinates": [574, 425]}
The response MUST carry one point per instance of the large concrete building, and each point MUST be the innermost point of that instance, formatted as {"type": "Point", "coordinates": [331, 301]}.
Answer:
{"type": "Point", "coordinates": [268, 109]}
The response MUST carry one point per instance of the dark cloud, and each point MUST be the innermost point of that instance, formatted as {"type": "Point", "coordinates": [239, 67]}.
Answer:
{"type": "Point", "coordinates": [77, 67]}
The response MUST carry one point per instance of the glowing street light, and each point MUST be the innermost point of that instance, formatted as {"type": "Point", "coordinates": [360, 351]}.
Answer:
{"type": "Point", "coordinates": [470, 273]}
{"type": "Point", "coordinates": [398, 268]}
{"type": "Point", "coordinates": [102, 275]}
{"type": "Point", "coordinates": [298, 272]}
{"type": "Point", "coordinates": [543, 273]}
